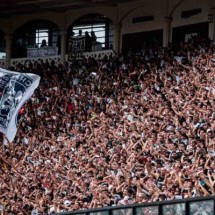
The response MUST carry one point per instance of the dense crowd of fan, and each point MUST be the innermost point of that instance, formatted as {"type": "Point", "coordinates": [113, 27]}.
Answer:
{"type": "Point", "coordinates": [114, 131]}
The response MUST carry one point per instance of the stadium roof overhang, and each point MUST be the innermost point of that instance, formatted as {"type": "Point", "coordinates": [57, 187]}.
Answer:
{"type": "Point", "coordinates": [15, 7]}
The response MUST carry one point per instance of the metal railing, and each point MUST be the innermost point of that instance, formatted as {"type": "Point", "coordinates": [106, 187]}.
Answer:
{"type": "Point", "coordinates": [194, 206]}
{"type": "Point", "coordinates": [56, 59]}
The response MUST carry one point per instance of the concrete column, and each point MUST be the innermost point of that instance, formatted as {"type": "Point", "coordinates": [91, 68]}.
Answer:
{"type": "Point", "coordinates": [8, 40]}
{"type": "Point", "coordinates": [63, 35]}
{"type": "Point", "coordinates": [211, 19]}
{"type": "Point", "coordinates": [117, 37]}
{"type": "Point", "coordinates": [167, 32]}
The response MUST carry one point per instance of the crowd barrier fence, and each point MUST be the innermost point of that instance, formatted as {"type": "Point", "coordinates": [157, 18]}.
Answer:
{"type": "Point", "coordinates": [193, 206]}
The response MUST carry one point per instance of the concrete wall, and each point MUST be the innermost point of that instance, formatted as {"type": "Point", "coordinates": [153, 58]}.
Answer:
{"type": "Point", "coordinates": [189, 5]}
{"type": "Point", "coordinates": [155, 8]}
{"type": "Point", "coordinates": [161, 9]}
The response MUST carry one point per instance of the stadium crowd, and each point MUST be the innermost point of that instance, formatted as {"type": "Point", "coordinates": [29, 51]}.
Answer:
{"type": "Point", "coordinates": [114, 131]}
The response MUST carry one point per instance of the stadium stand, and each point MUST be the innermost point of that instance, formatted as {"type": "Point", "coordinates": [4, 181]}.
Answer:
{"type": "Point", "coordinates": [117, 129]}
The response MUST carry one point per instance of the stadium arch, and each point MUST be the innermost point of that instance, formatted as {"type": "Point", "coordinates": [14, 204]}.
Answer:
{"type": "Point", "coordinates": [194, 20]}
{"type": "Point", "coordinates": [31, 33]}
{"type": "Point", "coordinates": [98, 23]}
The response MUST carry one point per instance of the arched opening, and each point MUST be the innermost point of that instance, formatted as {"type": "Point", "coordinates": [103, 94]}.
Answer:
{"type": "Point", "coordinates": [141, 28]}
{"type": "Point", "coordinates": [2, 45]}
{"type": "Point", "coordinates": [189, 21]}
{"type": "Point", "coordinates": [96, 30]}
{"type": "Point", "coordinates": [34, 34]}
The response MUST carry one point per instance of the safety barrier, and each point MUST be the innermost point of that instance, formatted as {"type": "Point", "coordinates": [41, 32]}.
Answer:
{"type": "Point", "coordinates": [56, 59]}
{"type": "Point", "coordinates": [194, 206]}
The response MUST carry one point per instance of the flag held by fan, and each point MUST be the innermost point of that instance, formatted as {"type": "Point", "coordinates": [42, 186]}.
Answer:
{"type": "Point", "coordinates": [15, 89]}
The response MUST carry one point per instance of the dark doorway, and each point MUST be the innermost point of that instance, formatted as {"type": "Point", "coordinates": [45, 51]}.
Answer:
{"type": "Point", "coordinates": [184, 33]}
{"type": "Point", "coordinates": [138, 41]}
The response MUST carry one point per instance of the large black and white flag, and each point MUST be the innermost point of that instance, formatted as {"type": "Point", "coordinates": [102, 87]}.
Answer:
{"type": "Point", "coordinates": [15, 89]}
